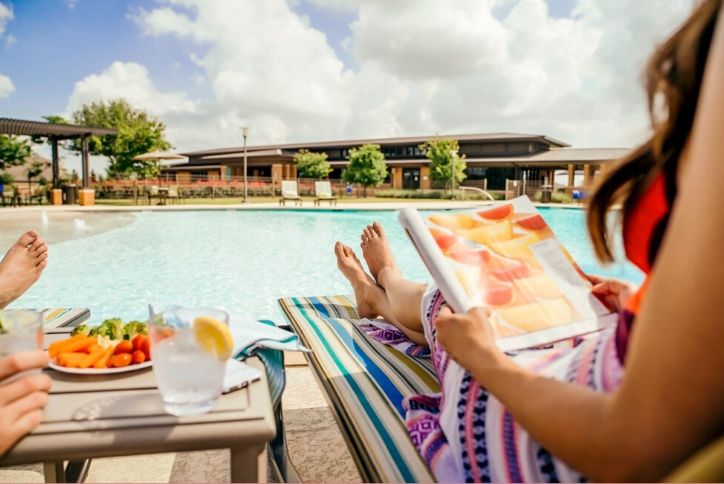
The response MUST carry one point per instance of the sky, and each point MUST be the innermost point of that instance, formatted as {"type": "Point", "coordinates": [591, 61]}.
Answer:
{"type": "Point", "coordinates": [314, 70]}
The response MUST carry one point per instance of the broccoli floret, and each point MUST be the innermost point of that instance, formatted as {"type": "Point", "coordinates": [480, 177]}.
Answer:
{"type": "Point", "coordinates": [80, 329]}
{"type": "Point", "coordinates": [132, 328]}
{"type": "Point", "coordinates": [110, 328]}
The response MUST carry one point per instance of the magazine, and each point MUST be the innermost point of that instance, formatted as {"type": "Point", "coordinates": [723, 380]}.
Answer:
{"type": "Point", "coordinates": [505, 257]}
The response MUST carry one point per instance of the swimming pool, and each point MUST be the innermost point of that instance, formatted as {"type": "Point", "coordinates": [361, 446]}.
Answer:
{"type": "Point", "coordinates": [241, 260]}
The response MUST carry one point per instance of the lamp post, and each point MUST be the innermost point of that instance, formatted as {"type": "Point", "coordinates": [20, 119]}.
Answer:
{"type": "Point", "coordinates": [452, 174]}
{"type": "Point", "coordinates": [245, 132]}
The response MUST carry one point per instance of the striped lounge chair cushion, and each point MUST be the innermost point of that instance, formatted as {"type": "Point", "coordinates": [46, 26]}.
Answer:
{"type": "Point", "coordinates": [365, 382]}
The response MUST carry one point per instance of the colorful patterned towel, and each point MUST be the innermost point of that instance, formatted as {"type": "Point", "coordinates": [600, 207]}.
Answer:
{"type": "Point", "coordinates": [388, 334]}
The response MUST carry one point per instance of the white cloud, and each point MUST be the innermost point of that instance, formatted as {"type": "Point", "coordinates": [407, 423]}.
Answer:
{"type": "Point", "coordinates": [344, 6]}
{"type": "Point", "coordinates": [422, 66]}
{"type": "Point", "coordinates": [6, 86]}
{"type": "Point", "coordinates": [6, 15]}
{"type": "Point", "coordinates": [129, 81]}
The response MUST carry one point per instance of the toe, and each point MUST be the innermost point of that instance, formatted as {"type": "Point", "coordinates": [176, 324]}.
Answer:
{"type": "Point", "coordinates": [378, 229]}
{"type": "Point", "coordinates": [41, 248]}
{"type": "Point", "coordinates": [37, 244]}
{"type": "Point", "coordinates": [338, 249]}
{"type": "Point", "coordinates": [42, 265]}
{"type": "Point", "coordinates": [27, 238]}
{"type": "Point", "coordinates": [373, 232]}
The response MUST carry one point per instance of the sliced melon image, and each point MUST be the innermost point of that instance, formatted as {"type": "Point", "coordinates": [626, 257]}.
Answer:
{"type": "Point", "coordinates": [530, 221]}
{"type": "Point", "coordinates": [489, 233]}
{"type": "Point", "coordinates": [494, 292]}
{"type": "Point", "coordinates": [469, 278]}
{"type": "Point", "coordinates": [498, 213]}
{"type": "Point", "coordinates": [541, 286]}
{"type": "Point", "coordinates": [508, 270]}
{"type": "Point", "coordinates": [517, 248]}
{"type": "Point", "coordinates": [470, 256]}
{"type": "Point", "coordinates": [455, 221]}
{"type": "Point", "coordinates": [445, 240]}
{"type": "Point", "coordinates": [539, 315]}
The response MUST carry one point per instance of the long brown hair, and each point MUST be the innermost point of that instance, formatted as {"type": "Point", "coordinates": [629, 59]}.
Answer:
{"type": "Point", "coordinates": [672, 80]}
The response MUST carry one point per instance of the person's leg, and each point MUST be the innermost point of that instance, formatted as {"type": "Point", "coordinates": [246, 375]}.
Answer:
{"type": "Point", "coordinates": [22, 266]}
{"type": "Point", "coordinates": [405, 297]}
{"type": "Point", "coordinates": [371, 299]}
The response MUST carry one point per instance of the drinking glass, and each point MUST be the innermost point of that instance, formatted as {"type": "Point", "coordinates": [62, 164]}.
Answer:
{"type": "Point", "coordinates": [189, 377]}
{"type": "Point", "coordinates": [20, 330]}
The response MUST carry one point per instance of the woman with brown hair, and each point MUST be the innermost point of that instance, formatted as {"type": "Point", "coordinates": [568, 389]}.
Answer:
{"type": "Point", "coordinates": [630, 403]}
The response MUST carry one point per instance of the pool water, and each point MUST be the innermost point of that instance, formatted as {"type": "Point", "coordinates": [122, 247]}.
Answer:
{"type": "Point", "coordinates": [240, 260]}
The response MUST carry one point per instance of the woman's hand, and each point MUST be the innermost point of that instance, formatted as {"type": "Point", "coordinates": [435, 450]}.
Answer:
{"type": "Point", "coordinates": [614, 291]}
{"type": "Point", "coordinates": [468, 338]}
{"type": "Point", "coordinates": [21, 401]}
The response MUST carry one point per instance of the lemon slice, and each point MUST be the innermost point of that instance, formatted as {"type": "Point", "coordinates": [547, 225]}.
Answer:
{"type": "Point", "coordinates": [213, 336]}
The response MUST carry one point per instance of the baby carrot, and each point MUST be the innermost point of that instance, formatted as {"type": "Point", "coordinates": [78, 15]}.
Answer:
{"type": "Point", "coordinates": [102, 362]}
{"type": "Point", "coordinates": [92, 357]}
{"type": "Point", "coordinates": [54, 348]}
{"type": "Point", "coordinates": [70, 360]}
{"type": "Point", "coordinates": [77, 345]}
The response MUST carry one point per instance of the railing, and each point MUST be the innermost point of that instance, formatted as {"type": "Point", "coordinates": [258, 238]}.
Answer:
{"type": "Point", "coordinates": [535, 190]}
{"type": "Point", "coordinates": [476, 190]}
{"type": "Point", "coordinates": [202, 186]}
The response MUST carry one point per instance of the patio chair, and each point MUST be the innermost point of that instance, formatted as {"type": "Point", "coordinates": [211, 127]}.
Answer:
{"type": "Point", "coordinates": [174, 194]}
{"type": "Point", "coordinates": [323, 192]}
{"type": "Point", "coordinates": [364, 382]}
{"type": "Point", "coordinates": [39, 195]}
{"type": "Point", "coordinates": [153, 192]}
{"type": "Point", "coordinates": [290, 191]}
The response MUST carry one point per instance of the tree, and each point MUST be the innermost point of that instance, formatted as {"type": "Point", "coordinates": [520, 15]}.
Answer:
{"type": "Point", "coordinates": [13, 152]}
{"type": "Point", "coordinates": [138, 133]}
{"type": "Point", "coordinates": [366, 166]}
{"type": "Point", "coordinates": [444, 160]}
{"type": "Point", "coordinates": [34, 170]}
{"type": "Point", "coordinates": [312, 165]}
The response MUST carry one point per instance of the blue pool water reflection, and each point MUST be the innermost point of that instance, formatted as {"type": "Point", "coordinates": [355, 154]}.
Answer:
{"type": "Point", "coordinates": [242, 260]}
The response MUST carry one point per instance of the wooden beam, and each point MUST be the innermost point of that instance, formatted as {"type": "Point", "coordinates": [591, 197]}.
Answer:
{"type": "Point", "coordinates": [85, 162]}
{"type": "Point", "coordinates": [56, 163]}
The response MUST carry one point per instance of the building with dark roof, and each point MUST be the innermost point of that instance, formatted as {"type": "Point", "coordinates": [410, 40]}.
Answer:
{"type": "Point", "coordinates": [493, 157]}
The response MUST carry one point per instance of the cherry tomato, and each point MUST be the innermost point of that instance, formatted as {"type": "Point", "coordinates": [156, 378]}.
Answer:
{"type": "Point", "coordinates": [117, 361]}
{"type": "Point", "coordinates": [137, 340]}
{"type": "Point", "coordinates": [146, 347]}
{"type": "Point", "coordinates": [124, 346]}
{"type": "Point", "coordinates": [138, 356]}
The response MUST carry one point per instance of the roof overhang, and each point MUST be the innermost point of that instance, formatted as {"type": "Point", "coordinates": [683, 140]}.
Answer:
{"type": "Point", "coordinates": [21, 127]}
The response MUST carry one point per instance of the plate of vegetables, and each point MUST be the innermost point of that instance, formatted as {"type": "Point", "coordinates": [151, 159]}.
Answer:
{"type": "Point", "coordinates": [111, 347]}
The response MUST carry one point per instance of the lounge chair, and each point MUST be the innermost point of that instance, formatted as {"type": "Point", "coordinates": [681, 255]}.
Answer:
{"type": "Point", "coordinates": [364, 382]}
{"type": "Point", "coordinates": [323, 192]}
{"type": "Point", "coordinates": [290, 191]}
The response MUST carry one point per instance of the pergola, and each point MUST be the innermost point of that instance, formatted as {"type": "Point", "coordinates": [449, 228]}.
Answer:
{"type": "Point", "coordinates": [55, 133]}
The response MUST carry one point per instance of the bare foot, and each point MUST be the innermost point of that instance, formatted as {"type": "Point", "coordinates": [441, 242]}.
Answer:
{"type": "Point", "coordinates": [22, 266]}
{"type": "Point", "coordinates": [377, 253]}
{"type": "Point", "coordinates": [369, 296]}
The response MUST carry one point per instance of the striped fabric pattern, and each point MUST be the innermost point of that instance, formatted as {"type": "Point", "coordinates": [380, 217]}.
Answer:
{"type": "Point", "coordinates": [365, 382]}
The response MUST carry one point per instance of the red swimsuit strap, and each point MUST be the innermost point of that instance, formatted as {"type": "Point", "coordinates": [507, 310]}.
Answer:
{"type": "Point", "coordinates": [643, 226]}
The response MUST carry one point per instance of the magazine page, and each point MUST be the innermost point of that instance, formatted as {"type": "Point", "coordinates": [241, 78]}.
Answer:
{"type": "Point", "coordinates": [505, 257]}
